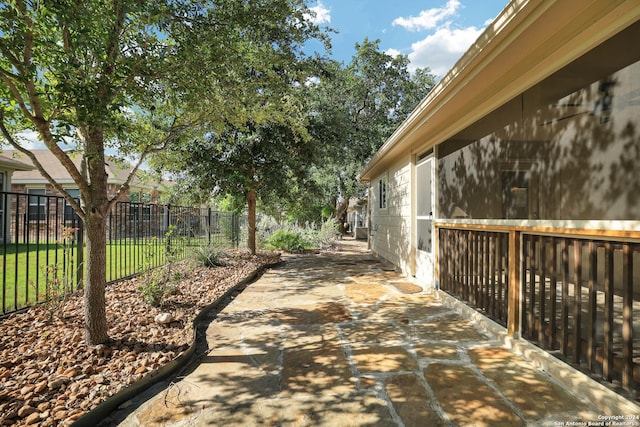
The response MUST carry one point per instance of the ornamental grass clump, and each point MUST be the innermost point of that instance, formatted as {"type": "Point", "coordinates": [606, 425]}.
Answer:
{"type": "Point", "coordinates": [286, 240]}
{"type": "Point", "coordinates": [210, 256]}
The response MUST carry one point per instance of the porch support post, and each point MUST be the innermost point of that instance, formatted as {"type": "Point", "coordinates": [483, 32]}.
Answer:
{"type": "Point", "coordinates": [513, 313]}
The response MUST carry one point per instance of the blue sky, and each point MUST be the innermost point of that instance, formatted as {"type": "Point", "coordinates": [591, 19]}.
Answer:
{"type": "Point", "coordinates": [433, 33]}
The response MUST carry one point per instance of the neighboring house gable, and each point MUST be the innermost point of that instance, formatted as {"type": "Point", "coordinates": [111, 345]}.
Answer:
{"type": "Point", "coordinates": [147, 190]}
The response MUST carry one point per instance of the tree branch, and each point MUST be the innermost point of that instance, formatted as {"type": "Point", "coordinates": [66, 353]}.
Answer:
{"type": "Point", "coordinates": [6, 78]}
{"type": "Point", "coordinates": [7, 135]}
{"type": "Point", "coordinates": [150, 149]}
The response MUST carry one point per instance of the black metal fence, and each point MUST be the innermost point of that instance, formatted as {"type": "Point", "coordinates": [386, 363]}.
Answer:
{"type": "Point", "coordinates": [42, 250]}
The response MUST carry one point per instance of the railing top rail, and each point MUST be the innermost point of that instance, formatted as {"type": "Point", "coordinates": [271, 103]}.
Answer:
{"type": "Point", "coordinates": [546, 230]}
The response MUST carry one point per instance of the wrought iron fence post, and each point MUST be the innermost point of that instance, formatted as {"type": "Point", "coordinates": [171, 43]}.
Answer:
{"type": "Point", "coordinates": [235, 235]}
{"type": "Point", "coordinates": [167, 225]}
{"type": "Point", "coordinates": [209, 226]}
{"type": "Point", "coordinates": [80, 252]}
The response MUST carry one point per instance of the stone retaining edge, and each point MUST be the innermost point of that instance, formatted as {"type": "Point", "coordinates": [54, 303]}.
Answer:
{"type": "Point", "coordinates": [578, 383]}
{"type": "Point", "coordinates": [104, 409]}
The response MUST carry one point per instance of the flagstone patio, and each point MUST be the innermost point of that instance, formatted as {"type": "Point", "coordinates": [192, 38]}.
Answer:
{"type": "Point", "coordinates": [336, 339]}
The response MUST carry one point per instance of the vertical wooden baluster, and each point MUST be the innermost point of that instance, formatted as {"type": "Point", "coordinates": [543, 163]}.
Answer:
{"type": "Point", "coordinates": [627, 317]}
{"type": "Point", "coordinates": [543, 286]}
{"type": "Point", "coordinates": [469, 244]}
{"type": "Point", "coordinates": [577, 300]}
{"type": "Point", "coordinates": [593, 309]}
{"type": "Point", "coordinates": [460, 263]}
{"type": "Point", "coordinates": [565, 297]}
{"type": "Point", "coordinates": [492, 275]}
{"type": "Point", "coordinates": [442, 255]}
{"type": "Point", "coordinates": [526, 259]}
{"type": "Point", "coordinates": [515, 305]}
{"type": "Point", "coordinates": [504, 277]}
{"type": "Point", "coordinates": [475, 261]}
{"type": "Point", "coordinates": [450, 251]}
{"type": "Point", "coordinates": [499, 260]}
{"type": "Point", "coordinates": [607, 366]}
{"type": "Point", "coordinates": [485, 272]}
{"type": "Point", "coordinates": [533, 265]}
{"type": "Point", "coordinates": [472, 292]}
{"type": "Point", "coordinates": [455, 265]}
{"type": "Point", "coordinates": [553, 296]}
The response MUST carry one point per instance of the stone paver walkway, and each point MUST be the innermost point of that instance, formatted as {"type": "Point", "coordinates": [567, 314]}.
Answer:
{"type": "Point", "coordinates": [339, 340]}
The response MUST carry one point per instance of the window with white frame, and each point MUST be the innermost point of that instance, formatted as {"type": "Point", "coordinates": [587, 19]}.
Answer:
{"type": "Point", "coordinates": [69, 214]}
{"type": "Point", "coordinates": [139, 206]}
{"type": "Point", "coordinates": [37, 210]}
{"type": "Point", "coordinates": [382, 193]}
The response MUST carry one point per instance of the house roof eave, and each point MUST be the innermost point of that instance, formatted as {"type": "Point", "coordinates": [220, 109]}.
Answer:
{"type": "Point", "coordinates": [528, 41]}
{"type": "Point", "coordinates": [13, 165]}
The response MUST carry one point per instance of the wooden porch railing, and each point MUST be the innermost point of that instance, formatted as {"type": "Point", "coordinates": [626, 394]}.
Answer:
{"type": "Point", "coordinates": [474, 267]}
{"type": "Point", "coordinates": [578, 290]}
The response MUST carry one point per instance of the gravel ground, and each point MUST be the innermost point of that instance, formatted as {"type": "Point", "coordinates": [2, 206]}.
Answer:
{"type": "Point", "coordinates": [50, 377]}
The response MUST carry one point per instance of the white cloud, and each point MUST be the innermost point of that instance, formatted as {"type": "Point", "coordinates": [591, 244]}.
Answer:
{"type": "Point", "coordinates": [30, 139]}
{"type": "Point", "coordinates": [428, 19]}
{"type": "Point", "coordinates": [322, 14]}
{"type": "Point", "coordinates": [393, 52]}
{"type": "Point", "coordinates": [441, 50]}
{"type": "Point", "coordinates": [312, 81]}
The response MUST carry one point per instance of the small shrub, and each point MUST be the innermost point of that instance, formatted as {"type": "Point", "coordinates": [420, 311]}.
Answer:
{"type": "Point", "coordinates": [286, 240]}
{"type": "Point", "coordinates": [59, 278]}
{"type": "Point", "coordinates": [157, 284]}
{"type": "Point", "coordinates": [210, 256]}
{"type": "Point", "coordinates": [328, 233]}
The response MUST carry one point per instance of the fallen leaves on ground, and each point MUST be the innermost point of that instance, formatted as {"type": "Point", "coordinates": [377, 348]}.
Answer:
{"type": "Point", "coordinates": [50, 377]}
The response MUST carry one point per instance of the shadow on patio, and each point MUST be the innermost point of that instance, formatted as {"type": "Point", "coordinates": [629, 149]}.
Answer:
{"type": "Point", "coordinates": [331, 339]}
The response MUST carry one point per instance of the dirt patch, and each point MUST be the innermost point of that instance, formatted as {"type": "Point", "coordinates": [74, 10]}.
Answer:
{"type": "Point", "coordinates": [407, 287]}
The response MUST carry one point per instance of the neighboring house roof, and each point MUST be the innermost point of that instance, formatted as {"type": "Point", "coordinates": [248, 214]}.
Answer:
{"type": "Point", "coordinates": [117, 170]}
{"type": "Point", "coordinates": [8, 163]}
{"type": "Point", "coordinates": [527, 42]}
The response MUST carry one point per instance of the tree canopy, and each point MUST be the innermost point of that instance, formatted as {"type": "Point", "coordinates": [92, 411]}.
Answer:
{"type": "Point", "coordinates": [310, 164]}
{"type": "Point", "coordinates": [138, 76]}
{"type": "Point", "coordinates": [355, 109]}
{"type": "Point", "coordinates": [220, 89]}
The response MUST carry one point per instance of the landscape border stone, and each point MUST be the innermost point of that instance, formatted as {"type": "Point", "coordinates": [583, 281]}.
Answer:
{"type": "Point", "coordinates": [104, 409]}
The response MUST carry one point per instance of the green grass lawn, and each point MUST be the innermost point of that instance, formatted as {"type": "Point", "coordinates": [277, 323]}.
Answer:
{"type": "Point", "coordinates": [23, 267]}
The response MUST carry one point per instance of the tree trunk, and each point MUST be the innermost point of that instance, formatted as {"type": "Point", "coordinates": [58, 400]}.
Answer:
{"type": "Point", "coordinates": [95, 315]}
{"type": "Point", "coordinates": [341, 215]}
{"type": "Point", "coordinates": [95, 221]}
{"type": "Point", "coordinates": [251, 199]}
